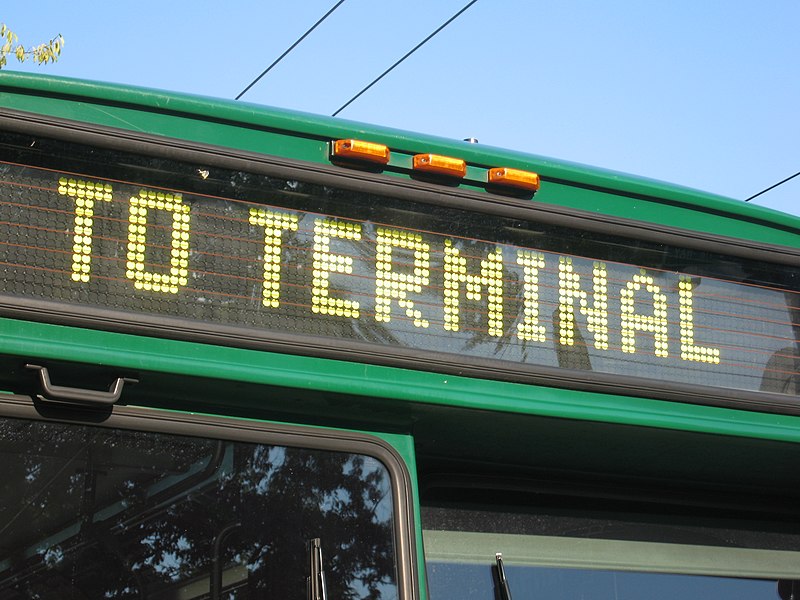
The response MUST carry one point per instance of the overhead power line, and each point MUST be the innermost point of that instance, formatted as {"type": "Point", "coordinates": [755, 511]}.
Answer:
{"type": "Point", "coordinates": [289, 49]}
{"type": "Point", "coordinates": [409, 53]}
{"type": "Point", "coordinates": [773, 186]}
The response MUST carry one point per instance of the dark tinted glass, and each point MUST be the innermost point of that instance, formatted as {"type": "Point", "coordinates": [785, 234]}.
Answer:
{"type": "Point", "coordinates": [91, 513]}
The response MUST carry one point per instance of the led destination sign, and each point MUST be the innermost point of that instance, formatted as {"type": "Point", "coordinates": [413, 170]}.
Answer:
{"type": "Point", "coordinates": [154, 240]}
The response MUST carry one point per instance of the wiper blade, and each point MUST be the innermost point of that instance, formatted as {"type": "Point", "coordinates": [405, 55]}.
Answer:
{"type": "Point", "coordinates": [315, 582]}
{"type": "Point", "coordinates": [503, 592]}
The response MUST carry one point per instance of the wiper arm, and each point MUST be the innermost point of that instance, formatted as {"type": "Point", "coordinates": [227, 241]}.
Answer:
{"type": "Point", "coordinates": [789, 589]}
{"type": "Point", "coordinates": [503, 592]}
{"type": "Point", "coordinates": [315, 582]}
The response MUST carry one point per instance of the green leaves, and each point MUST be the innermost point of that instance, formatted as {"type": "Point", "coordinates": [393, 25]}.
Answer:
{"type": "Point", "coordinates": [41, 54]}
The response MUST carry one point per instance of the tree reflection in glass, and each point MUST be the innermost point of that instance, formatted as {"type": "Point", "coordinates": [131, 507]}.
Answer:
{"type": "Point", "coordinates": [101, 513]}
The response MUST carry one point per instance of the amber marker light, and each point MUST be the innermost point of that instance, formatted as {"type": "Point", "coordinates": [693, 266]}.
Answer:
{"type": "Point", "coordinates": [442, 165]}
{"type": "Point", "coordinates": [516, 178]}
{"type": "Point", "coordinates": [361, 150]}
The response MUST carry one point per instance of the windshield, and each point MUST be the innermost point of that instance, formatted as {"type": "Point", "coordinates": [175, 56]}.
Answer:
{"type": "Point", "coordinates": [90, 513]}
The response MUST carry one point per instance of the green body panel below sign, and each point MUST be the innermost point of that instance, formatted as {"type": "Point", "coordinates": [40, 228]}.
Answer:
{"type": "Point", "coordinates": [52, 342]}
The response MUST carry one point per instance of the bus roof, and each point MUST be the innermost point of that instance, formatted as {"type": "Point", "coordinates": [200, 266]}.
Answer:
{"type": "Point", "coordinates": [305, 124]}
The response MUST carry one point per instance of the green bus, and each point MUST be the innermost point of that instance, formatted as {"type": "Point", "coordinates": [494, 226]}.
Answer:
{"type": "Point", "coordinates": [252, 353]}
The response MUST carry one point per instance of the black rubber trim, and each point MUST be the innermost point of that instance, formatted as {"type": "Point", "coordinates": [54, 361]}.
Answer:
{"type": "Point", "coordinates": [405, 189]}
{"type": "Point", "coordinates": [169, 422]}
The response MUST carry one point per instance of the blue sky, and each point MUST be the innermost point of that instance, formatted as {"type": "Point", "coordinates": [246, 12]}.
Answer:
{"type": "Point", "coordinates": [701, 93]}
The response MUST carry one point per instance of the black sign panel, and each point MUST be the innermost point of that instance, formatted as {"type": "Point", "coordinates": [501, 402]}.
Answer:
{"type": "Point", "coordinates": [273, 258]}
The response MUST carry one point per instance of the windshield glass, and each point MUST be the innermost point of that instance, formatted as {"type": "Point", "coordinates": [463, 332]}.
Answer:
{"type": "Point", "coordinates": [452, 580]}
{"type": "Point", "coordinates": [90, 513]}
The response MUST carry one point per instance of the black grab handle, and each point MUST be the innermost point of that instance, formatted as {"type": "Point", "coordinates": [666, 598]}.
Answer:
{"type": "Point", "coordinates": [79, 395]}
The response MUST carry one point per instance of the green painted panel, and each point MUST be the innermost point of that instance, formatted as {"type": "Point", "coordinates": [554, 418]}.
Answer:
{"type": "Point", "coordinates": [176, 126]}
{"type": "Point", "coordinates": [44, 341]}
